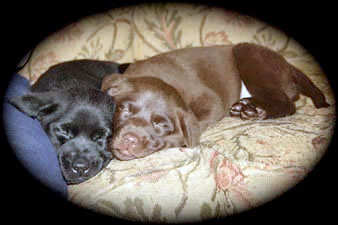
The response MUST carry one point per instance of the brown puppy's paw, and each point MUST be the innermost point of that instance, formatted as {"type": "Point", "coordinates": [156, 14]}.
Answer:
{"type": "Point", "coordinates": [247, 110]}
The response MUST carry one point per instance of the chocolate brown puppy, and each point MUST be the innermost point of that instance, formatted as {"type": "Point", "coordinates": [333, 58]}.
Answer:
{"type": "Point", "coordinates": [169, 99]}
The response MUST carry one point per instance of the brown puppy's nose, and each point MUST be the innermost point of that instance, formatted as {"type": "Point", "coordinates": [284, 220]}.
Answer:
{"type": "Point", "coordinates": [130, 140]}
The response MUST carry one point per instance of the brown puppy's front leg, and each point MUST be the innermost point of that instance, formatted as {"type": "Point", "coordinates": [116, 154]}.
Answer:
{"type": "Point", "coordinates": [256, 108]}
{"type": "Point", "coordinates": [246, 109]}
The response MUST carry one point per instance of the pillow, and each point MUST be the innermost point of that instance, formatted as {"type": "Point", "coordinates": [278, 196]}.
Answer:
{"type": "Point", "coordinates": [30, 142]}
{"type": "Point", "coordinates": [239, 165]}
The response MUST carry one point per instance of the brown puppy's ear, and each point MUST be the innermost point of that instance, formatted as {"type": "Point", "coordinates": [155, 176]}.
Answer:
{"type": "Point", "coordinates": [190, 128]}
{"type": "Point", "coordinates": [115, 84]}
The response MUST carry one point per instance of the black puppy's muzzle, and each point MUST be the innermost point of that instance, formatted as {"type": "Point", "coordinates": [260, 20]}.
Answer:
{"type": "Point", "coordinates": [78, 166]}
{"type": "Point", "coordinates": [81, 166]}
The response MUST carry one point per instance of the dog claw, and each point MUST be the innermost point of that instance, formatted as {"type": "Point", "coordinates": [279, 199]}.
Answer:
{"type": "Point", "coordinates": [247, 110]}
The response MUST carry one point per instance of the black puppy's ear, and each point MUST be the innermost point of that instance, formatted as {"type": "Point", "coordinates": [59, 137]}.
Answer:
{"type": "Point", "coordinates": [116, 84]}
{"type": "Point", "coordinates": [34, 105]}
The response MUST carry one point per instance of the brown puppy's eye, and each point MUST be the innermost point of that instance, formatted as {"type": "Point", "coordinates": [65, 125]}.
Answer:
{"type": "Point", "coordinates": [162, 124]}
{"type": "Point", "coordinates": [124, 110]}
{"type": "Point", "coordinates": [127, 110]}
{"type": "Point", "coordinates": [133, 109]}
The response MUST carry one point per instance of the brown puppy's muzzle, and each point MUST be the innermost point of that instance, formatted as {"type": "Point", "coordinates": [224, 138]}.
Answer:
{"type": "Point", "coordinates": [126, 146]}
{"type": "Point", "coordinates": [133, 142]}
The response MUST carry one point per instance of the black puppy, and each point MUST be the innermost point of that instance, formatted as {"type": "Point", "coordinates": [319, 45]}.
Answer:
{"type": "Point", "coordinates": [75, 114]}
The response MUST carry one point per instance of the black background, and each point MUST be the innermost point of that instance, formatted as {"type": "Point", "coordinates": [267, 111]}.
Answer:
{"type": "Point", "coordinates": [25, 24]}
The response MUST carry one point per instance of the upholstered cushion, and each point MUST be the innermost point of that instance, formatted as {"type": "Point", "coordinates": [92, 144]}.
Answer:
{"type": "Point", "coordinates": [239, 164]}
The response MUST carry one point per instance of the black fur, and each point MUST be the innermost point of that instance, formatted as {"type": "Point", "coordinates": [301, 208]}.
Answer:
{"type": "Point", "coordinates": [75, 114]}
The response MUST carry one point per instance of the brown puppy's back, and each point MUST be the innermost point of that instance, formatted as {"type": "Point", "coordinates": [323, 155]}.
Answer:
{"type": "Point", "coordinates": [206, 78]}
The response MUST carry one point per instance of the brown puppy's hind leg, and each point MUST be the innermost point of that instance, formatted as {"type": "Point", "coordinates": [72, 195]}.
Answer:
{"type": "Point", "coordinates": [307, 88]}
{"type": "Point", "coordinates": [273, 83]}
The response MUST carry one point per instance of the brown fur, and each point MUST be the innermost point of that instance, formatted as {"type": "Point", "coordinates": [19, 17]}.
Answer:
{"type": "Point", "coordinates": [187, 90]}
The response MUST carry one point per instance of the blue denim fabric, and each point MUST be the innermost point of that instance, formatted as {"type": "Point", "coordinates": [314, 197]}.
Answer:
{"type": "Point", "coordinates": [29, 141]}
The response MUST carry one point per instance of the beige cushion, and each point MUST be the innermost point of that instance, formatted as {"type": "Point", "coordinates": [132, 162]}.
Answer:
{"type": "Point", "coordinates": [239, 164]}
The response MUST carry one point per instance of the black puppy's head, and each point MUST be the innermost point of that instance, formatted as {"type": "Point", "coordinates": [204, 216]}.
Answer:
{"type": "Point", "coordinates": [79, 125]}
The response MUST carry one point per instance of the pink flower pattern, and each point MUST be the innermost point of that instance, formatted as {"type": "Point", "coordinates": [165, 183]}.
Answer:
{"type": "Point", "coordinates": [216, 38]}
{"type": "Point", "coordinates": [69, 33]}
{"type": "Point", "coordinates": [228, 177]}
{"type": "Point", "coordinates": [318, 143]}
{"type": "Point", "coordinates": [152, 177]}
{"type": "Point", "coordinates": [167, 32]}
{"type": "Point", "coordinates": [42, 63]}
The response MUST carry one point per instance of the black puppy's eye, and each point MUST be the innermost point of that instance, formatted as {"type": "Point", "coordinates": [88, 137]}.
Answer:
{"type": "Point", "coordinates": [68, 131]}
{"type": "Point", "coordinates": [64, 133]}
{"type": "Point", "coordinates": [62, 139]}
{"type": "Point", "coordinates": [99, 135]}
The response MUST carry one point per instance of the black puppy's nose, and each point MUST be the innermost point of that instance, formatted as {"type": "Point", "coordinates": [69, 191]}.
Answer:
{"type": "Point", "coordinates": [80, 165]}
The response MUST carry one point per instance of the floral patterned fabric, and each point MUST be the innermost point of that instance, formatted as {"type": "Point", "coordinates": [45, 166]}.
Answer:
{"type": "Point", "coordinates": [239, 164]}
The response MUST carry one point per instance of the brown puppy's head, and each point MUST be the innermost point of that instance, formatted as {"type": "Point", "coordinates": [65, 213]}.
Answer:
{"type": "Point", "coordinates": [151, 115]}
